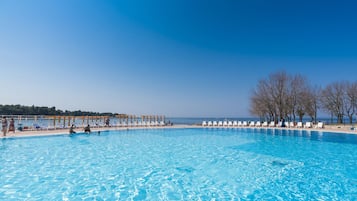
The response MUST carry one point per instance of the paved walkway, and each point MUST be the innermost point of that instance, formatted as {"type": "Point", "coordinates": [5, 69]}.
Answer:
{"type": "Point", "coordinates": [328, 128]}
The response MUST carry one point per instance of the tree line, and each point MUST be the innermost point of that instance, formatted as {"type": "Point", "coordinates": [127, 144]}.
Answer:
{"type": "Point", "coordinates": [292, 97]}
{"type": "Point", "coordinates": [36, 110]}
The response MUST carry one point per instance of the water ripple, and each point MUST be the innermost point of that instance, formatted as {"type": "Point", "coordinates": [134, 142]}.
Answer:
{"type": "Point", "coordinates": [192, 164]}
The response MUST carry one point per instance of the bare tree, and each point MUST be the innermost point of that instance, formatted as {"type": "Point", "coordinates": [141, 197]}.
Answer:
{"type": "Point", "coordinates": [332, 99]}
{"type": "Point", "coordinates": [262, 102]}
{"type": "Point", "coordinates": [350, 100]}
{"type": "Point", "coordinates": [284, 96]}
{"type": "Point", "coordinates": [280, 96]}
{"type": "Point", "coordinates": [297, 93]}
{"type": "Point", "coordinates": [311, 102]}
{"type": "Point", "coordinates": [279, 91]}
{"type": "Point", "coordinates": [258, 108]}
{"type": "Point", "coordinates": [300, 109]}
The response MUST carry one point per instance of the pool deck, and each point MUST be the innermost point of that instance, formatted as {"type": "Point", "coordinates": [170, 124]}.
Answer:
{"type": "Point", "coordinates": [328, 128]}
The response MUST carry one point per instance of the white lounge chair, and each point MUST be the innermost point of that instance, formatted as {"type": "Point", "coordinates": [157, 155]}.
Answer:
{"type": "Point", "coordinates": [258, 124]}
{"type": "Point", "coordinates": [230, 123]}
{"type": "Point", "coordinates": [299, 124]}
{"type": "Point", "coordinates": [308, 124]}
{"type": "Point", "coordinates": [209, 123]}
{"type": "Point", "coordinates": [204, 123]}
{"type": "Point", "coordinates": [291, 124]}
{"type": "Point", "coordinates": [251, 124]}
{"type": "Point", "coordinates": [320, 125]}
{"type": "Point", "coordinates": [272, 124]}
{"type": "Point", "coordinates": [235, 123]}
{"type": "Point", "coordinates": [50, 127]}
{"type": "Point", "coordinates": [220, 123]}
{"type": "Point", "coordinates": [215, 123]}
{"type": "Point", "coordinates": [225, 123]}
{"type": "Point", "coordinates": [240, 123]}
{"type": "Point", "coordinates": [265, 124]}
{"type": "Point", "coordinates": [245, 123]}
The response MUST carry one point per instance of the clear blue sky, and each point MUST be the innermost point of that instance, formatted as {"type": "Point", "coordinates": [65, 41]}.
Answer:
{"type": "Point", "coordinates": [176, 58]}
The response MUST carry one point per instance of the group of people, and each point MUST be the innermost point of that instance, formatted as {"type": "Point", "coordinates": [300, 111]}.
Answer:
{"type": "Point", "coordinates": [5, 125]}
{"type": "Point", "coordinates": [8, 127]}
{"type": "Point", "coordinates": [86, 129]}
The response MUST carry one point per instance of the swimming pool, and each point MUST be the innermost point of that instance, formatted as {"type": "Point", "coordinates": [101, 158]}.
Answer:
{"type": "Point", "coordinates": [181, 164]}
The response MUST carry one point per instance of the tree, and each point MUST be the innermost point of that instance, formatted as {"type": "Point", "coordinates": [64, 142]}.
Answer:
{"type": "Point", "coordinates": [35, 110]}
{"type": "Point", "coordinates": [350, 100]}
{"type": "Point", "coordinates": [298, 90]}
{"type": "Point", "coordinates": [280, 96]}
{"type": "Point", "coordinates": [261, 102]}
{"type": "Point", "coordinates": [332, 100]}
{"type": "Point", "coordinates": [279, 90]}
{"type": "Point", "coordinates": [311, 102]}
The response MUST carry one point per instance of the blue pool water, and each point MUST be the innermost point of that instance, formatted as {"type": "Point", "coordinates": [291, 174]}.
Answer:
{"type": "Point", "coordinates": [181, 164]}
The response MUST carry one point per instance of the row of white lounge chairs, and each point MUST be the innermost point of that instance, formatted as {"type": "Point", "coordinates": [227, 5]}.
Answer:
{"type": "Point", "coordinates": [98, 125]}
{"type": "Point", "coordinates": [140, 124]}
{"type": "Point", "coordinates": [132, 124]}
{"type": "Point", "coordinates": [261, 124]}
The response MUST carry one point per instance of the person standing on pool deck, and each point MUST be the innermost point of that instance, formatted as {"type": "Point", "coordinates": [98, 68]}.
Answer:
{"type": "Point", "coordinates": [12, 125]}
{"type": "Point", "coordinates": [4, 125]}
{"type": "Point", "coordinates": [107, 122]}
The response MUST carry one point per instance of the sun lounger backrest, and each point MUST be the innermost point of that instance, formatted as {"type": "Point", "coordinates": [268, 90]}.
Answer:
{"type": "Point", "coordinates": [299, 124]}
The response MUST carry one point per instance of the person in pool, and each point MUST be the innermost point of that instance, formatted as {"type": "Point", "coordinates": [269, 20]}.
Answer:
{"type": "Point", "coordinates": [71, 129]}
{"type": "Point", "coordinates": [87, 129]}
